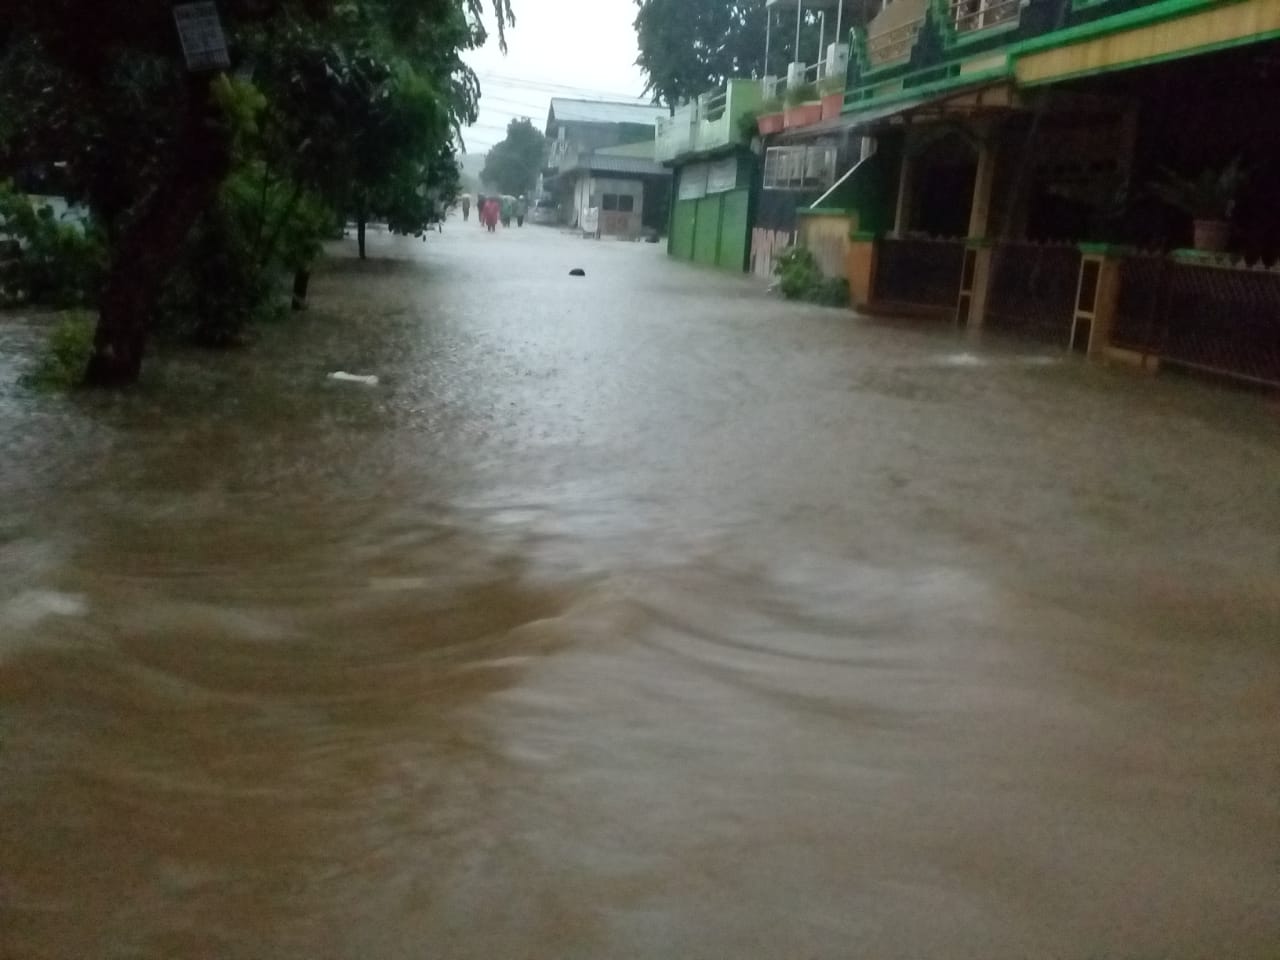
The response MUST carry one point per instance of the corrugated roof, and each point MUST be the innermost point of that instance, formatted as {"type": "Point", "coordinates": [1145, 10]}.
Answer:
{"type": "Point", "coordinates": [644, 149]}
{"type": "Point", "coordinates": [604, 163]}
{"type": "Point", "coordinates": [605, 111]}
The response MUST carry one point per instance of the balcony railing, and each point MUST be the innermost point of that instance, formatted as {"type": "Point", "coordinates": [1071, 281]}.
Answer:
{"type": "Point", "coordinates": [894, 44]}
{"type": "Point", "coordinates": [968, 16]}
{"type": "Point", "coordinates": [709, 122]}
{"type": "Point", "coordinates": [893, 31]}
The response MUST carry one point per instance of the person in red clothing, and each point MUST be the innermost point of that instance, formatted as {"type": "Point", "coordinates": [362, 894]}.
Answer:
{"type": "Point", "coordinates": [490, 214]}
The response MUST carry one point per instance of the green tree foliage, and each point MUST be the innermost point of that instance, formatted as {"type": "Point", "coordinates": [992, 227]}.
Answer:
{"type": "Point", "coordinates": [512, 165]}
{"type": "Point", "coordinates": [345, 104]}
{"type": "Point", "coordinates": [688, 47]}
{"type": "Point", "coordinates": [801, 278]}
{"type": "Point", "coordinates": [44, 261]}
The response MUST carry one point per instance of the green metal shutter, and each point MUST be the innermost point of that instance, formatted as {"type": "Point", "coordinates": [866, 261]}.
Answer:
{"type": "Point", "coordinates": [734, 230]}
{"type": "Point", "coordinates": [707, 239]}
{"type": "Point", "coordinates": [681, 243]}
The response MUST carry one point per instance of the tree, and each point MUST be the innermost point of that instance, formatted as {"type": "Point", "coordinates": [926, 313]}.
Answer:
{"type": "Point", "coordinates": [512, 165]}
{"type": "Point", "coordinates": [689, 47]}
{"type": "Point", "coordinates": [149, 145]}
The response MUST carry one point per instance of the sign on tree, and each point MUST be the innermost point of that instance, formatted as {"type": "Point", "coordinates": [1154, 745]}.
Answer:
{"type": "Point", "coordinates": [204, 45]}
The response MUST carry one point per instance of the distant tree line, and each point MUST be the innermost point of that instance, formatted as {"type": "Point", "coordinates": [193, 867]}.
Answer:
{"type": "Point", "coordinates": [513, 164]}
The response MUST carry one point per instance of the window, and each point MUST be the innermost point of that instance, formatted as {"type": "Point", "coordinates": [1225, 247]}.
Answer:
{"type": "Point", "coordinates": [609, 202]}
{"type": "Point", "coordinates": [626, 203]}
{"type": "Point", "coordinates": [976, 14]}
{"type": "Point", "coordinates": [800, 168]}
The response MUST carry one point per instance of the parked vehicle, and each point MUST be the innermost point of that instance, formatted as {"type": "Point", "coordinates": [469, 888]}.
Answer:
{"type": "Point", "coordinates": [544, 212]}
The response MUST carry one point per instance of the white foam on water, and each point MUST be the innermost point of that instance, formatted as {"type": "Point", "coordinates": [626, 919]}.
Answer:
{"type": "Point", "coordinates": [30, 607]}
{"type": "Point", "coordinates": [368, 379]}
{"type": "Point", "coordinates": [962, 360]}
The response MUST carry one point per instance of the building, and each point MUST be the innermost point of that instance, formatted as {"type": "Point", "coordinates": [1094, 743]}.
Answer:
{"type": "Point", "coordinates": [601, 158]}
{"type": "Point", "coordinates": [1022, 165]}
{"type": "Point", "coordinates": [707, 145]}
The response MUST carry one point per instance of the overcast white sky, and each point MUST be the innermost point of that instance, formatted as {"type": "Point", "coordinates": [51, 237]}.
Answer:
{"type": "Point", "coordinates": [558, 48]}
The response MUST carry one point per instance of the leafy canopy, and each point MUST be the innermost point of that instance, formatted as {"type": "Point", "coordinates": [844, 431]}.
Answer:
{"type": "Point", "coordinates": [690, 47]}
{"type": "Point", "coordinates": [512, 165]}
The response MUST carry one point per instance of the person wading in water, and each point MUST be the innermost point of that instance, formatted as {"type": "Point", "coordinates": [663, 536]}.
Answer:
{"type": "Point", "coordinates": [490, 214]}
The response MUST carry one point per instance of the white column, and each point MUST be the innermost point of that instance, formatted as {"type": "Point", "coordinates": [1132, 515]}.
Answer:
{"type": "Point", "coordinates": [768, 26]}
{"type": "Point", "coordinates": [822, 36]}
{"type": "Point", "coordinates": [799, 15]}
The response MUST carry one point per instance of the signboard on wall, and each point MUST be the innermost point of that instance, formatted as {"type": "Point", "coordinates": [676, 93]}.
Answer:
{"type": "Point", "coordinates": [722, 175]}
{"type": "Point", "coordinates": [590, 220]}
{"type": "Point", "coordinates": [693, 182]}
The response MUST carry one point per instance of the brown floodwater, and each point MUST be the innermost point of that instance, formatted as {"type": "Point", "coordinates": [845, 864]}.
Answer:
{"type": "Point", "coordinates": [637, 615]}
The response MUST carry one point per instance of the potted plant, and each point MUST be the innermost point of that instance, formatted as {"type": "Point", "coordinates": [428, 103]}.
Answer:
{"type": "Point", "coordinates": [1210, 200]}
{"type": "Point", "coordinates": [832, 90]}
{"type": "Point", "coordinates": [769, 119]}
{"type": "Point", "coordinates": [803, 106]}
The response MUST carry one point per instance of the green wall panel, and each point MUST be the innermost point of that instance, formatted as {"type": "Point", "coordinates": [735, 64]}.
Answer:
{"type": "Point", "coordinates": [735, 228]}
{"type": "Point", "coordinates": [706, 242]}
{"type": "Point", "coordinates": [682, 229]}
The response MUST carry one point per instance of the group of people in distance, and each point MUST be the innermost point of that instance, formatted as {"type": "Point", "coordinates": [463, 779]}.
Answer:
{"type": "Point", "coordinates": [491, 210]}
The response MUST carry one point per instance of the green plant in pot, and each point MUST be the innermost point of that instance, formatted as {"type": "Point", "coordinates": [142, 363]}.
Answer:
{"type": "Point", "coordinates": [1209, 199]}
{"type": "Point", "coordinates": [767, 120]}
{"type": "Point", "coordinates": [831, 89]}
{"type": "Point", "coordinates": [801, 93]}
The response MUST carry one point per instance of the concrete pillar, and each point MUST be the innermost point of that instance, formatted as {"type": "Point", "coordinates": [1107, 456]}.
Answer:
{"type": "Point", "coordinates": [1097, 299]}
{"type": "Point", "coordinates": [971, 309]}
{"type": "Point", "coordinates": [983, 184]}
{"type": "Point", "coordinates": [973, 303]}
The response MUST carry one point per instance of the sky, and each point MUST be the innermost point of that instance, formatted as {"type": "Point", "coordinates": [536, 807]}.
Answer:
{"type": "Point", "coordinates": [558, 48]}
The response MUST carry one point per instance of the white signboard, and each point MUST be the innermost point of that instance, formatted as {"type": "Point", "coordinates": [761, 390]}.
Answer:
{"type": "Point", "coordinates": [590, 220]}
{"type": "Point", "coordinates": [203, 43]}
{"type": "Point", "coordinates": [693, 182]}
{"type": "Point", "coordinates": [722, 175]}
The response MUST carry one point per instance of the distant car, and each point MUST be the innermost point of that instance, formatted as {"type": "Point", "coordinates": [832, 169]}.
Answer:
{"type": "Point", "coordinates": [545, 213]}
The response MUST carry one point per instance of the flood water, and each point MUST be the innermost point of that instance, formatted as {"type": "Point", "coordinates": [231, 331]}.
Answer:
{"type": "Point", "coordinates": [637, 615]}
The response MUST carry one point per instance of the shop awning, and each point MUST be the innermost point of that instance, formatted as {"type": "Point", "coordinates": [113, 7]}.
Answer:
{"type": "Point", "coordinates": [974, 99]}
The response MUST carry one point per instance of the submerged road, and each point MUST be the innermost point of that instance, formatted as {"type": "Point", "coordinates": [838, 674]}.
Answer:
{"type": "Point", "coordinates": [635, 615]}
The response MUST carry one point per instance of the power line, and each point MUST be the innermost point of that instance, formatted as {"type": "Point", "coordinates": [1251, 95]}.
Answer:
{"type": "Point", "coordinates": [584, 93]}
{"type": "Point", "coordinates": [513, 105]}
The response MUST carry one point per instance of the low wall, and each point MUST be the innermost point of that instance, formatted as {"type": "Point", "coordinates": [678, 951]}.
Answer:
{"type": "Point", "coordinates": [825, 233]}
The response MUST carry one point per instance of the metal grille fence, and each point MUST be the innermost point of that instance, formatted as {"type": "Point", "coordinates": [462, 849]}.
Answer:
{"type": "Point", "coordinates": [1224, 319]}
{"type": "Point", "coordinates": [1033, 290]}
{"type": "Point", "coordinates": [919, 271]}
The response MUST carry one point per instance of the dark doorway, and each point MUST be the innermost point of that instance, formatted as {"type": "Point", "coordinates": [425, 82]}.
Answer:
{"type": "Point", "coordinates": [944, 173]}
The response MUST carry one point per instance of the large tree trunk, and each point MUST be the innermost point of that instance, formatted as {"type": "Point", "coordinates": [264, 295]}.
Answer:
{"type": "Point", "coordinates": [150, 246]}
{"type": "Point", "coordinates": [360, 234]}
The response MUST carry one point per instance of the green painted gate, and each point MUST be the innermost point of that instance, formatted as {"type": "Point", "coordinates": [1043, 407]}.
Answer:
{"type": "Point", "coordinates": [706, 240]}
{"type": "Point", "coordinates": [735, 228]}
{"type": "Point", "coordinates": [683, 226]}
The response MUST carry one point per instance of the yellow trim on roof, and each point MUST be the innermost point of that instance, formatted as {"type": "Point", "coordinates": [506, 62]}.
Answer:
{"type": "Point", "coordinates": [1209, 29]}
